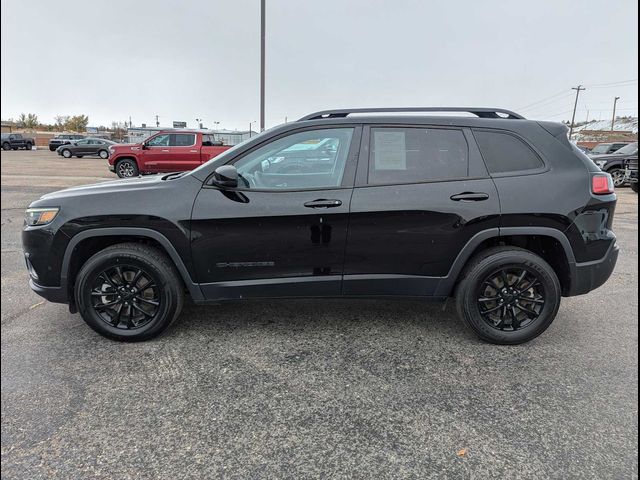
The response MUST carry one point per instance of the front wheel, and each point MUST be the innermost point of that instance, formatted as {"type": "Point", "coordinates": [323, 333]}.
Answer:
{"type": "Point", "coordinates": [103, 154]}
{"type": "Point", "coordinates": [127, 168]}
{"type": "Point", "coordinates": [508, 295]}
{"type": "Point", "coordinates": [6, 146]}
{"type": "Point", "coordinates": [129, 292]}
{"type": "Point", "coordinates": [66, 153]}
{"type": "Point", "coordinates": [618, 177]}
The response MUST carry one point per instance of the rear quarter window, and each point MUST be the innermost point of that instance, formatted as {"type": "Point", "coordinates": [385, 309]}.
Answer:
{"type": "Point", "coordinates": [504, 153]}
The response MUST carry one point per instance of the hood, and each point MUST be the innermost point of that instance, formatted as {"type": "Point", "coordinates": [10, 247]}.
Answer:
{"type": "Point", "coordinates": [124, 147]}
{"type": "Point", "coordinates": [111, 187]}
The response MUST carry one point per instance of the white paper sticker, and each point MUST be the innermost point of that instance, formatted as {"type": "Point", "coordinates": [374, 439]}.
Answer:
{"type": "Point", "coordinates": [390, 152]}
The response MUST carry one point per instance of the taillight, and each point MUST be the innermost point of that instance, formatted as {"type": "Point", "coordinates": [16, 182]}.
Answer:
{"type": "Point", "coordinates": [602, 184]}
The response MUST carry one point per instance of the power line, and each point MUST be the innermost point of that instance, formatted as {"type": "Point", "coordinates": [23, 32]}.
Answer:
{"type": "Point", "coordinates": [543, 100]}
{"type": "Point", "coordinates": [548, 103]}
{"type": "Point", "coordinates": [612, 84]}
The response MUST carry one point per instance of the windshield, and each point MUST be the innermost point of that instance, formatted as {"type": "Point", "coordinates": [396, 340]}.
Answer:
{"type": "Point", "coordinates": [602, 148]}
{"type": "Point", "coordinates": [628, 149]}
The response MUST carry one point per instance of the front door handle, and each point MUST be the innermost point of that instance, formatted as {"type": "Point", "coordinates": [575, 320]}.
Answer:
{"type": "Point", "coordinates": [323, 203]}
{"type": "Point", "coordinates": [470, 197]}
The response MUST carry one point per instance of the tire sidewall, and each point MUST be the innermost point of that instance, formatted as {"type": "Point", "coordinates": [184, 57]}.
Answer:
{"type": "Point", "coordinates": [468, 305]}
{"type": "Point", "coordinates": [103, 260]}
{"type": "Point", "coordinates": [67, 153]}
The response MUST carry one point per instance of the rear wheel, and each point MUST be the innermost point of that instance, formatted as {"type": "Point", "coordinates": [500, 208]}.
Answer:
{"type": "Point", "coordinates": [129, 292]}
{"type": "Point", "coordinates": [29, 146]}
{"type": "Point", "coordinates": [6, 146]}
{"type": "Point", "coordinates": [618, 177]}
{"type": "Point", "coordinates": [508, 295]}
{"type": "Point", "coordinates": [127, 168]}
{"type": "Point", "coordinates": [66, 153]}
{"type": "Point", "coordinates": [103, 154]}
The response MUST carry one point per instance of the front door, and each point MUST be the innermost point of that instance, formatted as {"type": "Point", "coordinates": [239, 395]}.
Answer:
{"type": "Point", "coordinates": [421, 194]}
{"type": "Point", "coordinates": [283, 232]}
{"type": "Point", "coordinates": [155, 153]}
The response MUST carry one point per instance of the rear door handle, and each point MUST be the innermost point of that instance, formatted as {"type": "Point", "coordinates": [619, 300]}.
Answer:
{"type": "Point", "coordinates": [470, 197]}
{"type": "Point", "coordinates": [165, 150]}
{"type": "Point", "coordinates": [323, 203]}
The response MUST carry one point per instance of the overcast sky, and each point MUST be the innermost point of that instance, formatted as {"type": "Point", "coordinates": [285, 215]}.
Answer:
{"type": "Point", "coordinates": [184, 60]}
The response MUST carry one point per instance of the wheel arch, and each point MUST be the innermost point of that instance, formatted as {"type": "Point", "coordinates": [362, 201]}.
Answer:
{"type": "Point", "coordinates": [550, 244]}
{"type": "Point", "coordinates": [96, 239]}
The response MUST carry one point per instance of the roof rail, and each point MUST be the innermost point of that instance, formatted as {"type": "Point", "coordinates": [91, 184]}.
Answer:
{"type": "Point", "coordinates": [480, 112]}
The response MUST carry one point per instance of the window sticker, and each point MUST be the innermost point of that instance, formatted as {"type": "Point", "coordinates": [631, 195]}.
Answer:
{"type": "Point", "coordinates": [390, 152]}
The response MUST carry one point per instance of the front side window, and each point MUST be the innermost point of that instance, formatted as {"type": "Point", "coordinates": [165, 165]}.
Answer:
{"type": "Point", "coordinates": [505, 153]}
{"type": "Point", "coordinates": [311, 159]}
{"type": "Point", "coordinates": [602, 148]}
{"type": "Point", "coordinates": [159, 141]}
{"type": "Point", "coordinates": [414, 155]}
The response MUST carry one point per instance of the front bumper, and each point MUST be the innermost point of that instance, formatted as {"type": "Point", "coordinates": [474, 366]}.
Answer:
{"type": "Point", "coordinates": [588, 276]}
{"type": "Point", "coordinates": [52, 294]}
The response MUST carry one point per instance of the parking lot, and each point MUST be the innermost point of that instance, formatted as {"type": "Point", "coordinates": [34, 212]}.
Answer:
{"type": "Point", "coordinates": [310, 389]}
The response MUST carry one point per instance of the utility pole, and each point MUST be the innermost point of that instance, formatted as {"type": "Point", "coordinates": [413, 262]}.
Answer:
{"type": "Point", "coordinates": [262, 51]}
{"type": "Point", "coordinates": [613, 119]}
{"type": "Point", "coordinates": [251, 123]}
{"type": "Point", "coordinates": [157, 121]}
{"type": "Point", "coordinates": [578, 89]}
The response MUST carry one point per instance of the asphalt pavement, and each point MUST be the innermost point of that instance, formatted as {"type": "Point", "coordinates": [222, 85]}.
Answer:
{"type": "Point", "coordinates": [312, 389]}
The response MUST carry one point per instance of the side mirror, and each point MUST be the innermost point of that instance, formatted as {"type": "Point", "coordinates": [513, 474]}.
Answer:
{"type": "Point", "coordinates": [226, 176]}
{"type": "Point", "coordinates": [144, 146]}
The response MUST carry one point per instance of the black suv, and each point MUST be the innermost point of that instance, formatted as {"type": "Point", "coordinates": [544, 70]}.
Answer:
{"type": "Point", "coordinates": [502, 212]}
{"type": "Point", "coordinates": [613, 163]}
{"type": "Point", "coordinates": [63, 139]}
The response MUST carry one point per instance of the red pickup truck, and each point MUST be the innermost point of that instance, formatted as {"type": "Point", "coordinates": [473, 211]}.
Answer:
{"type": "Point", "coordinates": [167, 151]}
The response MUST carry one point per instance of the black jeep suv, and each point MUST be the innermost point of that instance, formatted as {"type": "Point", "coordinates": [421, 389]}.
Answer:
{"type": "Point", "coordinates": [501, 212]}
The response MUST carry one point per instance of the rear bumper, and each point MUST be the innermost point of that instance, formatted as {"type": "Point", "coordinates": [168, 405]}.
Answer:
{"type": "Point", "coordinates": [590, 275]}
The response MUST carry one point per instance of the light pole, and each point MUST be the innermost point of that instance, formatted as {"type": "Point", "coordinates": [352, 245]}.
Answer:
{"type": "Point", "coordinates": [613, 119]}
{"type": "Point", "coordinates": [262, 60]}
{"type": "Point", "coordinates": [251, 123]}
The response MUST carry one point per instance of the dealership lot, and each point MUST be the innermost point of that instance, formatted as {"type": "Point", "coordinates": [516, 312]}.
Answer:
{"type": "Point", "coordinates": [311, 388]}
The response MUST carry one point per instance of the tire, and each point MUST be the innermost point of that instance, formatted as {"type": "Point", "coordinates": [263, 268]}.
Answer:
{"type": "Point", "coordinates": [6, 146]}
{"type": "Point", "coordinates": [618, 176]}
{"type": "Point", "coordinates": [52, 149]}
{"type": "Point", "coordinates": [634, 187]}
{"type": "Point", "coordinates": [475, 291]}
{"type": "Point", "coordinates": [127, 168]}
{"type": "Point", "coordinates": [29, 146]}
{"type": "Point", "coordinates": [103, 154]}
{"type": "Point", "coordinates": [105, 271]}
{"type": "Point", "coordinates": [66, 153]}
{"type": "Point", "coordinates": [79, 156]}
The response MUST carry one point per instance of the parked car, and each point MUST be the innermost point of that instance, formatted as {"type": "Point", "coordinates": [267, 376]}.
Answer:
{"type": "Point", "coordinates": [166, 151]}
{"type": "Point", "coordinates": [63, 139]}
{"type": "Point", "coordinates": [613, 163]}
{"type": "Point", "coordinates": [631, 172]}
{"type": "Point", "coordinates": [14, 141]}
{"type": "Point", "coordinates": [86, 146]}
{"type": "Point", "coordinates": [605, 148]}
{"type": "Point", "coordinates": [395, 206]}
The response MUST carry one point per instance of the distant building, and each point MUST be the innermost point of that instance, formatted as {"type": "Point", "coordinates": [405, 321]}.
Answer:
{"type": "Point", "coordinates": [227, 137]}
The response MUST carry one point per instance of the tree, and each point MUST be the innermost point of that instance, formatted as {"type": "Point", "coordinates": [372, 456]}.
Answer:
{"type": "Point", "coordinates": [29, 120]}
{"type": "Point", "coordinates": [61, 121]}
{"type": "Point", "coordinates": [77, 123]}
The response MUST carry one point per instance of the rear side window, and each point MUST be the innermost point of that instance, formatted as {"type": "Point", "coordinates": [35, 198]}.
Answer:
{"type": "Point", "coordinates": [182, 140]}
{"type": "Point", "coordinates": [504, 153]}
{"type": "Point", "coordinates": [414, 155]}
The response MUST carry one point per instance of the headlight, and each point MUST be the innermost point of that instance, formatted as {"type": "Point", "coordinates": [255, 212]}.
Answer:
{"type": "Point", "coordinates": [40, 216]}
{"type": "Point", "coordinates": [111, 149]}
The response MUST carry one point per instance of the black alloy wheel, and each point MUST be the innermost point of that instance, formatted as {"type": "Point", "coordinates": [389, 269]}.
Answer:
{"type": "Point", "coordinates": [511, 299]}
{"type": "Point", "coordinates": [125, 296]}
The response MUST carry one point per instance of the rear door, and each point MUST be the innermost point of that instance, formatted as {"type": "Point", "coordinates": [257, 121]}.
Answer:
{"type": "Point", "coordinates": [422, 192]}
{"type": "Point", "coordinates": [184, 152]}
